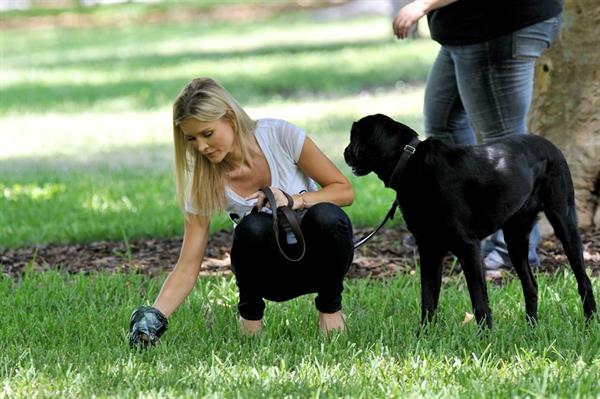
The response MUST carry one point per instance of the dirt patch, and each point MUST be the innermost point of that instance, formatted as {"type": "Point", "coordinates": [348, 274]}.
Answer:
{"type": "Point", "coordinates": [382, 257]}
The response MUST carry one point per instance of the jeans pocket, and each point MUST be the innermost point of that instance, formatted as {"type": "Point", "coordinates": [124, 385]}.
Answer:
{"type": "Point", "coordinates": [530, 42]}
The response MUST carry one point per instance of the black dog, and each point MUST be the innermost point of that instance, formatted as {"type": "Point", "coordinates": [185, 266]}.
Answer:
{"type": "Point", "coordinates": [454, 196]}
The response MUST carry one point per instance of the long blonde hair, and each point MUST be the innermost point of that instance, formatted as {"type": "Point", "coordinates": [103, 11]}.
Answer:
{"type": "Point", "coordinates": [197, 180]}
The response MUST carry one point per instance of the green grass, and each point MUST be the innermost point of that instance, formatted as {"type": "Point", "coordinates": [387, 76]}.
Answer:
{"type": "Point", "coordinates": [49, 8]}
{"type": "Point", "coordinates": [85, 152]}
{"type": "Point", "coordinates": [144, 67]}
{"type": "Point", "coordinates": [65, 336]}
{"type": "Point", "coordinates": [76, 205]}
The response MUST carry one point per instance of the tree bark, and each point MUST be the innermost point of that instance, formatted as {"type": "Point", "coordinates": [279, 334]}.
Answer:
{"type": "Point", "coordinates": [566, 103]}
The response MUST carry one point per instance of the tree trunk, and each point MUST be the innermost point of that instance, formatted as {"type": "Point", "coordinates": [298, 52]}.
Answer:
{"type": "Point", "coordinates": [566, 103]}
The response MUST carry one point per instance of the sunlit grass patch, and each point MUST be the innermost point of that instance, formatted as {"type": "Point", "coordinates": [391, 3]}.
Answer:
{"type": "Point", "coordinates": [83, 135]}
{"type": "Point", "coordinates": [33, 192]}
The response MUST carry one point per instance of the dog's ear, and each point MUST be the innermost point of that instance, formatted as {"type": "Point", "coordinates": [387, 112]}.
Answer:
{"type": "Point", "coordinates": [390, 133]}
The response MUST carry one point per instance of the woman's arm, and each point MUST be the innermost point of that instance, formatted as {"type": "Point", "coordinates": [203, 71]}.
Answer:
{"type": "Point", "coordinates": [335, 186]}
{"type": "Point", "coordinates": [182, 279]}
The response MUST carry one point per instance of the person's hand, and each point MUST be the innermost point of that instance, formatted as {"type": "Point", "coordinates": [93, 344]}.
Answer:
{"type": "Point", "coordinates": [261, 198]}
{"type": "Point", "coordinates": [407, 17]}
{"type": "Point", "coordinates": [146, 325]}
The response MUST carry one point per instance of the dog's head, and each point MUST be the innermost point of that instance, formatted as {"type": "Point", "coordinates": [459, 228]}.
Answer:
{"type": "Point", "coordinates": [375, 144]}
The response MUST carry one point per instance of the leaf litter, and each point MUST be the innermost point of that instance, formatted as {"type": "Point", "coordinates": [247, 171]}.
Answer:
{"type": "Point", "coordinates": [383, 257]}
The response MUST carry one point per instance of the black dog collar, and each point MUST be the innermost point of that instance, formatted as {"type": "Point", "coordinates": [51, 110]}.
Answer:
{"type": "Point", "coordinates": [409, 149]}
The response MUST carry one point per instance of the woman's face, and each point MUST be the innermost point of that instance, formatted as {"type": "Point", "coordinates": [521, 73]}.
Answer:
{"type": "Point", "coordinates": [214, 140]}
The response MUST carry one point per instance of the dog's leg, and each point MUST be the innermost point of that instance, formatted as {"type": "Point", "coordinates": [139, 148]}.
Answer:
{"type": "Point", "coordinates": [564, 222]}
{"type": "Point", "coordinates": [516, 235]}
{"type": "Point", "coordinates": [431, 280]}
{"type": "Point", "coordinates": [470, 257]}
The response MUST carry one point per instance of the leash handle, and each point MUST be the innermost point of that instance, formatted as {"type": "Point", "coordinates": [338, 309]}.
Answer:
{"type": "Point", "coordinates": [292, 221]}
{"type": "Point", "coordinates": [390, 215]}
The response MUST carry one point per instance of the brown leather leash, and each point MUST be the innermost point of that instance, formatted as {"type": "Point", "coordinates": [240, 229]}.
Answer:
{"type": "Point", "coordinates": [291, 226]}
{"type": "Point", "coordinates": [294, 233]}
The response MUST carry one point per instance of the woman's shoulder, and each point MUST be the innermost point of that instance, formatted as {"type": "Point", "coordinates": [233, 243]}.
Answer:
{"type": "Point", "coordinates": [281, 134]}
{"type": "Point", "coordinates": [274, 124]}
{"type": "Point", "coordinates": [279, 129]}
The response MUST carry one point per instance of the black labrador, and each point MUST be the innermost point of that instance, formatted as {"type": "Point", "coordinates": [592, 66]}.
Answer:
{"type": "Point", "coordinates": [453, 196]}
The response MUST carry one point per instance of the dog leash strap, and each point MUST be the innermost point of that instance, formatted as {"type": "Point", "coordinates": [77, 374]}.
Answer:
{"type": "Point", "coordinates": [290, 200]}
{"type": "Point", "coordinates": [271, 200]}
{"type": "Point", "coordinates": [390, 215]}
{"type": "Point", "coordinates": [292, 220]}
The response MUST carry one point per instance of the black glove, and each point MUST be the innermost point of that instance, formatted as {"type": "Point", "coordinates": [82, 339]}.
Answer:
{"type": "Point", "coordinates": [146, 326]}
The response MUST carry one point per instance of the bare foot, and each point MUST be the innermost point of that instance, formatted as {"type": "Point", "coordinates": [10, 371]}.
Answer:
{"type": "Point", "coordinates": [250, 327]}
{"type": "Point", "coordinates": [329, 322]}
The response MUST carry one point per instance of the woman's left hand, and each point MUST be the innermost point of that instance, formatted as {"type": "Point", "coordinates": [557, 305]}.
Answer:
{"type": "Point", "coordinates": [261, 199]}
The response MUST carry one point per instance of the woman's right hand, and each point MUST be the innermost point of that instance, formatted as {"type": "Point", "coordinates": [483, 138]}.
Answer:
{"type": "Point", "coordinates": [407, 17]}
{"type": "Point", "coordinates": [261, 198]}
{"type": "Point", "coordinates": [146, 326]}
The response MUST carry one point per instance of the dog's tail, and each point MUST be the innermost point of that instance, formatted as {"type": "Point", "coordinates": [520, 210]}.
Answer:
{"type": "Point", "coordinates": [557, 183]}
{"type": "Point", "coordinates": [559, 207]}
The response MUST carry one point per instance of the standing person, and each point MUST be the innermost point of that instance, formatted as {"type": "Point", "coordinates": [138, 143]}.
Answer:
{"type": "Point", "coordinates": [222, 159]}
{"type": "Point", "coordinates": [482, 78]}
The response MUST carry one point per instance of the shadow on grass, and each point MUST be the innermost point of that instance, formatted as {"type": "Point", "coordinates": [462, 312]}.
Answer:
{"type": "Point", "coordinates": [133, 33]}
{"type": "Point", "coordinates": [281, 80]}
{"type": "Point", "coordinates": [248, 87]}
{"type": "Point", "coordinates": [162, 60]}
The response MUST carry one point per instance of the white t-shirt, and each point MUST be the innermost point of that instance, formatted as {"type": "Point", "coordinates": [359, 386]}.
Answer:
{"type": "Point", "coordinates": [281, 142]}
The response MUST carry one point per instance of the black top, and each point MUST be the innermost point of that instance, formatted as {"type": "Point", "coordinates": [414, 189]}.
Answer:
{"type": "Point", "coordinates": [476, 21]}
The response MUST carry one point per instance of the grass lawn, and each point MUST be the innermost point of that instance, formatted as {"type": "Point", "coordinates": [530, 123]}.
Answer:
{"type": "Point", "coordinates": [68, 339]}
{"type": "Point", "coordinates": [85, 154]}
{"type": "Point", "coordinates": [85, 149]}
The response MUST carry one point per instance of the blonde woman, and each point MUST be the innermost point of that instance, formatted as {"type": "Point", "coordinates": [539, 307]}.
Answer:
{"type": "Point", "coordinates": [222, 159]}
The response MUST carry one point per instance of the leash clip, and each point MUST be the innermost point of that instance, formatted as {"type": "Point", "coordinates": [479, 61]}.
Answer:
{"type": "Point", "coordinates": [410, 149]}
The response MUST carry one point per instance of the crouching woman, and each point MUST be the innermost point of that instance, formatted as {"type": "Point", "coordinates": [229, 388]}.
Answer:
{"type": "Point", "coordinates": [223, 158]}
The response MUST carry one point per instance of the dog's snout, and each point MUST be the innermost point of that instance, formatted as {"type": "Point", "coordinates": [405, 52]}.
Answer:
{"type": "Point", "coordinates": [347, 155]}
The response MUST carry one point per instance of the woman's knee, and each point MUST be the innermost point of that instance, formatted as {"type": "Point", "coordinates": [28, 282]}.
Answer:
{"type": "Point", "coordinates": [327, 215]}
{"type": "Point", "coordinates": [250, 238]}
{"type": "Point", "coordinates": [254, 226]}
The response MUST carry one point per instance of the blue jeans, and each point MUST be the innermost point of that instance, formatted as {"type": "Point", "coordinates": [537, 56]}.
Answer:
{"type": "Point", "coordinates": [486, 88]}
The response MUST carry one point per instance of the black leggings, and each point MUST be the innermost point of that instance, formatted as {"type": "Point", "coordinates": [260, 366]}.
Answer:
{"type": "Point", "coordinates": [261, 271]}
